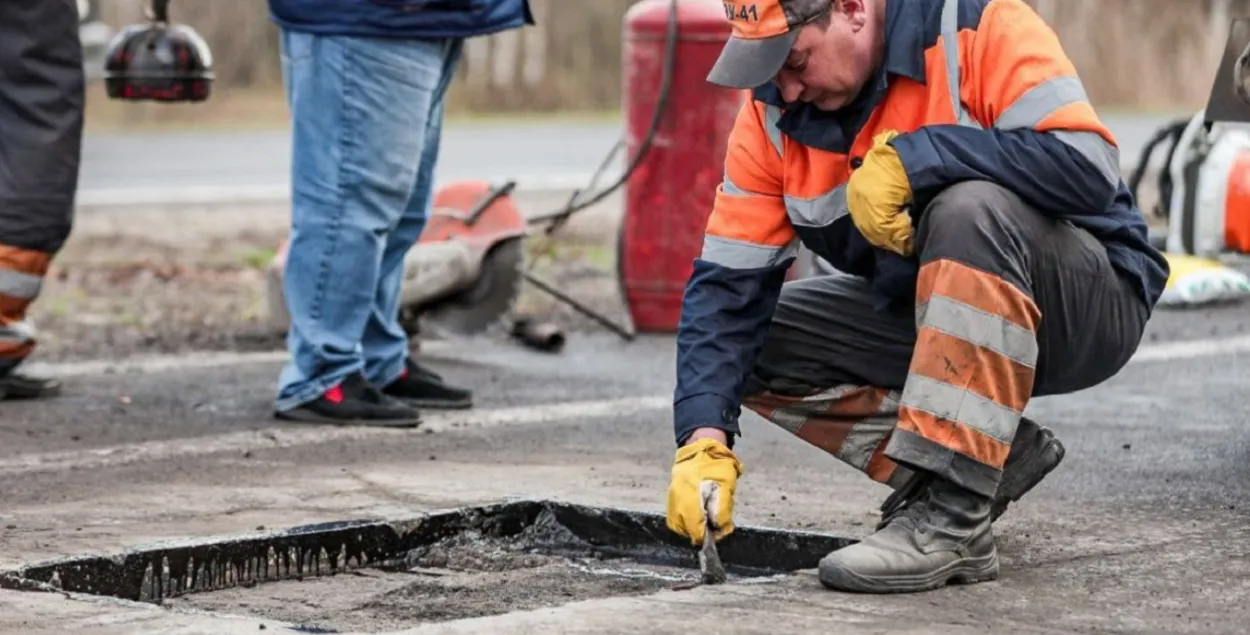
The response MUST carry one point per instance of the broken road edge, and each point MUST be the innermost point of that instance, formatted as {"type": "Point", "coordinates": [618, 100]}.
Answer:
{"type": "Point", "coordinates": [156, 571]}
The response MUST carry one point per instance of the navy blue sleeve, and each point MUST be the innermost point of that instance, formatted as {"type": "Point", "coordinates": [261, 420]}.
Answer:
{"type": "Point", "coordinates": [724, 319]}
{"type": "Point", "coordinates": [1040, 167]}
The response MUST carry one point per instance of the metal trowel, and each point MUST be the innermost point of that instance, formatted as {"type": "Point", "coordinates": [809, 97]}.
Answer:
{"type": "Point", "coordinates": [709, 559]}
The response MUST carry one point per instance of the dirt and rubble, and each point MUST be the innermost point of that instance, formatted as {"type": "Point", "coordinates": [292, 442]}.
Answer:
{"type": "Point", "coordinates": [138, 282]}
{"type": "Point", "coordinates": [467, 575]}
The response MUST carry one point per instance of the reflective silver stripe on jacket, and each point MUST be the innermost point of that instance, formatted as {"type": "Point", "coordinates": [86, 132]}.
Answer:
{"type": "Point", "coordinates": [950, 47]}
{"type": "Point", "coordinates": [1034, 106]}
{"type": "Point", "coordinates": [1047, 98]}
{"type": "Point", "coordinates": [740, 254]}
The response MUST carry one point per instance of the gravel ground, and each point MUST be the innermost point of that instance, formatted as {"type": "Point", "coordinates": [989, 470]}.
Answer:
{"type": "Point", "coordinates": [133, 283]}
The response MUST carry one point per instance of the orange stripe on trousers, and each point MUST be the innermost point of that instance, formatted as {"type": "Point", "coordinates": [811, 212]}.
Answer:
{"type": "Point", "coordinates": [827, 424]}
{"type": "Point", "coordinates": [21, 260]}
{"type": "Point", "coordinates": [988, 373]}
{"type": "Point", "coordinates": [24, 261]}
{"type": "Point", "coordinates": [954, 436]}
{"type": "Point", "coordinates": [989, 293]}
{"type": "Point", "coordinates": [12, 309]}
{"type": "Point", "coordinates": [967, 366]}
{"type": "Point", "coordinates": [15, 350]}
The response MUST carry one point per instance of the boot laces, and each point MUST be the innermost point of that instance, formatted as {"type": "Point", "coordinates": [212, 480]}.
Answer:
{"type": "Point", "coordinates": [909, 501]}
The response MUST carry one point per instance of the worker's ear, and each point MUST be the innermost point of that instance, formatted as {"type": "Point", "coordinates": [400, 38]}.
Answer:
{"type": "Point", "coordinates": [854, 12]}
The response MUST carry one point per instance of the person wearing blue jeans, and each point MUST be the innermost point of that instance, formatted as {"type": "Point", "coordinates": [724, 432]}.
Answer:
{"type": "Point", "coordinates": [366, 82]}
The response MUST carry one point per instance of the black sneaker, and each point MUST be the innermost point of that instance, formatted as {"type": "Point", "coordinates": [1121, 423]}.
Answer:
{"type": "Point", "coordinates": [425, 389]}
{"type": "Point", "coordinates": [15, 385]}
{"type": "Point", "coordinates": [354, 402]}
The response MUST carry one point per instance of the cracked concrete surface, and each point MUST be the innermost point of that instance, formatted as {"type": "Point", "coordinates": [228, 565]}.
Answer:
{"type": "Point", "coordinates": [1143, 529]}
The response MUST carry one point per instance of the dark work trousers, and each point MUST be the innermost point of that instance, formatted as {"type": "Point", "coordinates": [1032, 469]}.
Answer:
{"type": "Point", "coordinates": [1010, 304]}
{"type": "Point", "coordinates": [41, 121]}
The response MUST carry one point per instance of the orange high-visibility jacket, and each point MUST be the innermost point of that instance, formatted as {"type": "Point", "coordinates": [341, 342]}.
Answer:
{"type": "Point", "coordinates": [1021, 118]}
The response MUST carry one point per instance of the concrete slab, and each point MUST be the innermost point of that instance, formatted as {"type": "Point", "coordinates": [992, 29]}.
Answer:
{"type": "Point", "coordinates": [54, 614]}
{"type": "Point", "coordinates": [1141, 530]}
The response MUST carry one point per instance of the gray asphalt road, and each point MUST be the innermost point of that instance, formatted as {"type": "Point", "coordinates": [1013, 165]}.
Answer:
{"type": "Point", "coordinates": [170, 162]}
{"type": "Point", "coordinates": [561, 154]}
{"type": "Point", "coordinates": [1142, 530]}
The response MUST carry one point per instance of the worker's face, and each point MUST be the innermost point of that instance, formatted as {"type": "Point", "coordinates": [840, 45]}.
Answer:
{"type": "Point", "coordinates": [828, 66]}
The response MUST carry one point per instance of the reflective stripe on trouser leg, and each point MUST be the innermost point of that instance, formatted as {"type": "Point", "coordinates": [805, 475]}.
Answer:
{"type": "Point", "coordinates": [853, 423]}
{"type": "Point", "coordinates": [21, 280]}
{"type": "Point", "coordinates": [971, 374]}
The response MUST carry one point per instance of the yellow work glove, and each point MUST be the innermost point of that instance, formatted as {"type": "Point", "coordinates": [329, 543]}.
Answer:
{"type": "Point", "coordinates": [876, 194]}
{"type": "Point", "coordinates": [696, 467]}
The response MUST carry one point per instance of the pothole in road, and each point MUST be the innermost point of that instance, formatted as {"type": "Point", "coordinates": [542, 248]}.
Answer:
{"type": "Point", "coordinates": [366, 576]}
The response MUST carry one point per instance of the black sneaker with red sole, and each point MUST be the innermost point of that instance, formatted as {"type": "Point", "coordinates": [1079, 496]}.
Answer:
{"type": "Point", "coordinates": [424, 388]}
{"type": "Point", "coordinates": [355, 402]}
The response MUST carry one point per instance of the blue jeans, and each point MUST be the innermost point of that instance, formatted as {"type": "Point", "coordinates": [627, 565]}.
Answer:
{"type": "Point", "coordinates": [366, 117]}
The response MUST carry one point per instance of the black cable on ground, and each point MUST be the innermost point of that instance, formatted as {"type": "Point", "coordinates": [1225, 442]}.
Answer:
{"type": "Point", "coordinates": [558, 218]}
{"type": "Point", "coordinates": [661, 107]}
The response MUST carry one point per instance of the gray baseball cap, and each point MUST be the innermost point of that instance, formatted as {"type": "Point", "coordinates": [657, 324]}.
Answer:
{"type": "Point", "coordinates": [764, 31]}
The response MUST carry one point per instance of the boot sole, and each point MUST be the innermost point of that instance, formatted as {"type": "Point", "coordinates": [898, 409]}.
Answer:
{"type": "Point", "coordinates": [308, 417]}
{"type": "Point", "coordinates": [968, 571]}
{"type": "Point", "coordinates": [433, 404]}
{"type": "Point", "coordinates": [24, 393]}
{"type": "Point", "coordinates": [1034, 466]}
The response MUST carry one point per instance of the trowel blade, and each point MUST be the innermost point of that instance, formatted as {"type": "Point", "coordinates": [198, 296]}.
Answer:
{"type": "Point", "coordinates": [710, 565]}
{"type": "Point", "coordinates": [709, 561]}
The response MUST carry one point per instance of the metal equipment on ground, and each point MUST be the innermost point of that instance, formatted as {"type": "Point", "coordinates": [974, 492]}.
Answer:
{"type": "Point", "coordinates": [1203, 186]}
{"type": "Point", "coordinates": [670, 195]}
{"type": "Point", "coordinates": [465, 272]}
{"type": "Point", "coordinates": [1204, 181]}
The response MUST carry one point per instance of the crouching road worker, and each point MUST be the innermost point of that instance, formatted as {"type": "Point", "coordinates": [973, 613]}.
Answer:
{"type": "Point", "coordinates": [41, 123]}
{"type": "Point", "coordinates": [944, 156]}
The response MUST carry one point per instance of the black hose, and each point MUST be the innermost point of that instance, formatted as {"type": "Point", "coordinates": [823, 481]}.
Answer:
{"type": "Point", "coordinates": [1170, 133]}
{"type": "Point", "coordinates": [558, 217]}
{"type": "Point", "coordinates": [159, 10]}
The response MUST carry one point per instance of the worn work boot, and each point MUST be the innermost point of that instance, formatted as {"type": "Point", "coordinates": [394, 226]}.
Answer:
{"type": "Point", "coordinates": [943, 535]}
{"type": "Point", "coordinates": [15, 385]}
{"type": "Point", "coordinates": [424, 388]}
{"type": "Point", "coordinates": [1035, 452]}
{"type": "Point", "coordinates": [355, 402]}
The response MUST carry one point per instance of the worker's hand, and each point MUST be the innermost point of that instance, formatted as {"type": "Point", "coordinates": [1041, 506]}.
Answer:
{"type": "Point", "coordinates": [696, 463]}
{"type": "Point", "coordinates": [876, 195]}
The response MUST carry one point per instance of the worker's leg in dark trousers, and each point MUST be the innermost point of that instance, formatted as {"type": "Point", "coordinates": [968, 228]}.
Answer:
{"type": "Point", "coordinates": [832, 373]}
{"type": "Point", "coordinates": [361, 111]}
{"type": "Point", "coordinates": [41, 121]}
{"type": "Point", "coordinates": [955, 374]}
{"type": "Point", "coordinates": [385, 344]}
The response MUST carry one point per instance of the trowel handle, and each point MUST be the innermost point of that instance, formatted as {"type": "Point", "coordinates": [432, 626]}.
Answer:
{"type": "Point", "coordinates": [710, 491]}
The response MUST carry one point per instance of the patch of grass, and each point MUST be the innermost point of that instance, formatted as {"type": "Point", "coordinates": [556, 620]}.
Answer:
{"type": "Point", "coordinates": [259, 259]}
{"type": "Point", "coordinates": [595, 255]}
